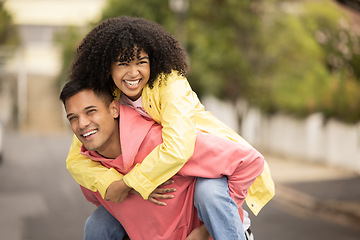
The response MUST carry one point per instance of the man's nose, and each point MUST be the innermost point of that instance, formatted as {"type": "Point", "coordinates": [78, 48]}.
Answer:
{"type": "Point", "coordinates": [83, 122]}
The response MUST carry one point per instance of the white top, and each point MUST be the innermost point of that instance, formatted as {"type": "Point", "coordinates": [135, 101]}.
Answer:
{"type": "Point", "coordinates": [137, 105]}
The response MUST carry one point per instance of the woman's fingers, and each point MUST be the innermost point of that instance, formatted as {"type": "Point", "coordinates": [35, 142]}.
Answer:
{"type": "Point", "coordinates": [157, 202]}
{"type": "Point", "coordinates": [168, 182]}
{"type": "Point", "coordinates": [163, 190]}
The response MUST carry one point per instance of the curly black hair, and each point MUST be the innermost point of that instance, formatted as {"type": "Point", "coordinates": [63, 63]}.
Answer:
{"type": "Point", "coordinates": [124, 38]}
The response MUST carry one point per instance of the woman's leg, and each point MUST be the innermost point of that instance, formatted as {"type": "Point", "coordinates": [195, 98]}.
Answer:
{"type": "Point", "coordinates": [102, 225]}
{"type": "Point", "coordinates": [217, 209]}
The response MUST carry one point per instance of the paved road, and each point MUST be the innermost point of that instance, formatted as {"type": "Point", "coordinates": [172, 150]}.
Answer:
{"type": "Point", "coordinates": [40, 201]}
{"type": "Point", "coordinates": [38, 198]}
{"type": "Point", "coordinates": [312, 202]}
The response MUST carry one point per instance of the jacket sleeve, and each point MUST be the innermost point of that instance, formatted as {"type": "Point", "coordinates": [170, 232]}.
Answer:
{"type": "Point", "coordinates": [89, 174]}
{"type": "Point", "coordinates": [177, 109]}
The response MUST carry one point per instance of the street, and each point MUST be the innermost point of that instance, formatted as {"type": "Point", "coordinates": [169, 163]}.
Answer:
{"type": "Point", "coordinates": [39, 200]}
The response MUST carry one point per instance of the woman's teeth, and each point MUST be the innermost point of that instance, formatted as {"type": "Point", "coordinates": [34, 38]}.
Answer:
{"type": "Point", "coordinates": [132, 83]}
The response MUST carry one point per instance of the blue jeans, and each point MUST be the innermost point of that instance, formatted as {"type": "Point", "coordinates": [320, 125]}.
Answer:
{"type": "Point", "coordinates": [102, 225]}
{"type": "Point", "coordinates": [211, 198]}
{"type": "Point", "coordinates": [217, 209]}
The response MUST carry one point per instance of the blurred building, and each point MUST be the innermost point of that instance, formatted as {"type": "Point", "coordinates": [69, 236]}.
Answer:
{"type": "Point", "coordinates": [29, 92]}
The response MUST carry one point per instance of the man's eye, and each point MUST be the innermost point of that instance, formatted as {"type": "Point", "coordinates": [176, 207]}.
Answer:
{"type": "Point", "coordinates": [90, 111]}
{"type": "Point", "coordinates": [71, 118]}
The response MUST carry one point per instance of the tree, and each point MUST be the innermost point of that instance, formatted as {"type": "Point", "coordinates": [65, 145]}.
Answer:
{"type": "Point", "coordinates": [310, 62]}
{"type": "Point", "coordinates": [8, 33]}
{"type": "Point", "coordinates": [297, 57]}
{"type": "Point", "coordinates": [223, 42]}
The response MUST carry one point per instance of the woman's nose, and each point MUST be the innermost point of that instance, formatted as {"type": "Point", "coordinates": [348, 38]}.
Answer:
{"type": "Point", "coordinates": [133, 71]}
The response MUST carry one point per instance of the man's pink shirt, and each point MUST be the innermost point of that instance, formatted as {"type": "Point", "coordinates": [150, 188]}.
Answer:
{"type": "Point", "coordinates": [213, 157]}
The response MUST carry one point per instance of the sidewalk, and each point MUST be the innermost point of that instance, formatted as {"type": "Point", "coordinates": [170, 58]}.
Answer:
{"type": "Point", "coordinates": [324, 190]}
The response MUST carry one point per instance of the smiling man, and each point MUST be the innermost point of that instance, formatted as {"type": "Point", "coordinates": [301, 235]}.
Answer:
{"type": "Point", "coordinates": [90, 122]}
{"type": "Point", "coordinates": [120, 138]}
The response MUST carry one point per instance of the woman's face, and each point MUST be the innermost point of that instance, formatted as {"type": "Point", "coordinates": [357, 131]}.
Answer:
{"type": "Point", "coordinates": [131, 77]}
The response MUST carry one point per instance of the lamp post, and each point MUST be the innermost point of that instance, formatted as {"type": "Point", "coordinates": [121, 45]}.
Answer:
{"type": "Point", "coordinates": [180, 8]}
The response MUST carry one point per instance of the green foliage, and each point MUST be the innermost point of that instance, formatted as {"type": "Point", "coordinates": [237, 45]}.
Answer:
{"type": "Point", "coordinates": [8, 34]}
{"type": "Point", "coordinates": [297, 57]}
{"type": "Point", "coordinates": [154, 10]}
{"type": "Point", "coordinates": [293, 67]}
{"type": "Point", "coordinates": [222, 37]}
{"type": "Point", "coordinates": [310, 62]}
{"type": "Point", "coordinates": [68, 40]}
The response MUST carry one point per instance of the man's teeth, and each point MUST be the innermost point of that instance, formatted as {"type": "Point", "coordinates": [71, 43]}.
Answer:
{"type": "Point", "coordinates": [89, 133]}
{"type": "Point", "coordinates": [132, 83]}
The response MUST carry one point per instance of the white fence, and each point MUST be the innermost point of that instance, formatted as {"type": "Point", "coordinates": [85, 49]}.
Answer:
{"type": "Point", "coordinates": [312, 139]}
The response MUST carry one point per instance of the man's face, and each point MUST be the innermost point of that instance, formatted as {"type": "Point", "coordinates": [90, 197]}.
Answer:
{"type": "Point", "coordinates": [92, 121]}
{"type": "Point", "coordinates": [131, 77]}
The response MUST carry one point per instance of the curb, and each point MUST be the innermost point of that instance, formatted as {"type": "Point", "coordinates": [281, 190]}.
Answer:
{"type": "Point", "coordinates": [343, 212]}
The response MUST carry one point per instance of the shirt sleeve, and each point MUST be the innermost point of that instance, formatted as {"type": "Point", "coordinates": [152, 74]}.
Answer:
{"type": "Point", "coordinates": [179, 133]}
{"type": "Point", "coordinates": [89, 174]}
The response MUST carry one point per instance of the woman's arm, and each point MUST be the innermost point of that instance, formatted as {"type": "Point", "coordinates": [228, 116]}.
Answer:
{"type": "Point", "coordinates": [89, 174]}
{"type": "Point", "coordinates": [174, 105]}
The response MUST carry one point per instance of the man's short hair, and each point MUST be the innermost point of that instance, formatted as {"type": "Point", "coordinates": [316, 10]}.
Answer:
{"type": "Point", "coordinates": [73, 87]}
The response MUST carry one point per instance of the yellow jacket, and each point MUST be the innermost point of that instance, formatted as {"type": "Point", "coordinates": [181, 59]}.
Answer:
{"type": "Point", "coordinates": [172, 103]}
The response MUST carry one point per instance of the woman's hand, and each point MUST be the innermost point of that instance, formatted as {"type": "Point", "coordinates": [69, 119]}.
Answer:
{"type": "Point", "coordinates": [162, 193]}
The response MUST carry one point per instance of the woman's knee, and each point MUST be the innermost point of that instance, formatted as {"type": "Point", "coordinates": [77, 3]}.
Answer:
{"type": "Point", "coordinates": [208, 189]}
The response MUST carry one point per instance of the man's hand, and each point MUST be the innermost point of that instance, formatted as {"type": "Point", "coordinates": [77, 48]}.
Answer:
{"type": "Point", "coordinates": [117, 192]}
{"type": "Point", "coordinates": [162, 193]}
{"type": "Point", "coordinates": [199, 233]}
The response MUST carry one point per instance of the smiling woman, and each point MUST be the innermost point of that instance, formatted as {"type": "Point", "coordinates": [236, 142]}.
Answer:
{"type": "Point", "coordinates": [131, 76]}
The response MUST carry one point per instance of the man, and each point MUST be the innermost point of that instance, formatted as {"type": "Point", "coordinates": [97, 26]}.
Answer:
{"type": "Point", "coordinates": [119, 138]}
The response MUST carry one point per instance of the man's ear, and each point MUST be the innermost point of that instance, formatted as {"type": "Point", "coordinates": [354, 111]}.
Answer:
{"type": "Point", "coordinates": [114, 108]}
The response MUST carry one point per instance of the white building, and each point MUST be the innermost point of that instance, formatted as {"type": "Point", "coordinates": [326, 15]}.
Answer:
{"type": "Point", "coordinates": [35, 65]}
